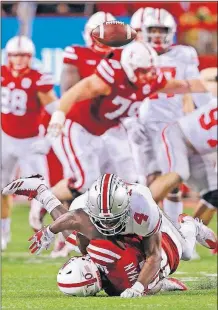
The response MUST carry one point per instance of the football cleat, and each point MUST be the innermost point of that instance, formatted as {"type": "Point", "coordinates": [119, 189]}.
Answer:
{"type": "Point", "coordinates": [172, 284]}
{"type": "Point", "coordinates": [205, 236]}
{"type": "Point", "coordinates": [25, 186]}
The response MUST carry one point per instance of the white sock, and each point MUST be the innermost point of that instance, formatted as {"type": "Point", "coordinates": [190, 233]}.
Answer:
{"type": "Point", "coordinates": [189, 231]}
{"type": "Point", "coordinates": [6, 227]}
{"type": "Point", "coordinates": [173, 210]}
{"type": "Point", "coordinates": [47, 199]}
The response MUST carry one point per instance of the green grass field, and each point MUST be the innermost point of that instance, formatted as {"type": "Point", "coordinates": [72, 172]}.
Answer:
{"type": "Point", "coordinates": [29, 282]}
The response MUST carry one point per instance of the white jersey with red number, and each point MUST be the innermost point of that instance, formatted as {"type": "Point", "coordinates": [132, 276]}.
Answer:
{"type": "Point", "coordinates": [200, 127]}
{"type": "Point", "coordinates": [145, 215]}
{"type": "Point", "coordinates": [105, 112]}
{"type": "Point", "coordinates": [180, 62]}
{"type": "Point", "coordinates": [20, 114]}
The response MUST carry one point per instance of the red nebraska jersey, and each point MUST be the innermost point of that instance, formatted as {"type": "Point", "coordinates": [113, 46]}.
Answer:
{"type": "Point", "coordinates": [123, 265]}
{"type": "Point", "coordinates": [20, 105]}
{"type": "Point", "coordinates": [85, 60]}
{"type": "Point", "coordinates": [102, 113]}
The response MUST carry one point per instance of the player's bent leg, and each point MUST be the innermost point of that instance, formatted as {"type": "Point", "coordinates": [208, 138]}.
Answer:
{"type": "Point", "coordinates": [173, 205]}
{"type": "Point", "coordinates": [173, 161]}
{"type": "Point", "coordinates": [62, 191]}
{"type": "Point", "coordinates": [194, 230]}
{"type": "Point", "coordinates": [164, 184]}
{"type": "Point", "coordinates": [204, 212]}
{"type": "Point", "coordinates": [119, 153]}
{"type": "Point", "coordinates": [6, 206]}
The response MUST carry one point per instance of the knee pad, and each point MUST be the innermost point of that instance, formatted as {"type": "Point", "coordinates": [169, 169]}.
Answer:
{"type": "Point", "coordinates": [211, 198]}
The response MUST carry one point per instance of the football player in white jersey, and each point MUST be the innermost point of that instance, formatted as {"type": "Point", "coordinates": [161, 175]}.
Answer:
{"type": "Point", "coordinates": [158, 28]}
{"type": "Point", "coordinates": [192, 137]}
{"type": "Point", "coordinates": [110, 207]}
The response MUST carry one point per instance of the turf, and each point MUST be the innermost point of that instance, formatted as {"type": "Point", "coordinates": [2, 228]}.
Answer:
{"type": "Point", "coordinates": [29, 282]}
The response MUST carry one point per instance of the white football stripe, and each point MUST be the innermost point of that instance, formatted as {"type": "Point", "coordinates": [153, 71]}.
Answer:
{"type": "Point", "coordinates": [69, 49]}
{"type": "Point", "coordinates": [101, 31]}
{"type": "Point", "coordinates": [128, 32]}
{"type": "Point", "coordinates": [104, 74]}
{"type": "Point", "coordinates": [70, 55]}
{"type": "Point", "coordinates": [107, 67]}
{"type": "Point", "coordinates": [102, 258]}
{"type": "Point", "coordinates": [40, 83]}
{"type": "Point", "coordinates": [102, 250]}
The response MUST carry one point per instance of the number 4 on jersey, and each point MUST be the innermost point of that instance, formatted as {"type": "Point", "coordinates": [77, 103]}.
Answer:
{"type": "Point", "coordinates": [140, 217]}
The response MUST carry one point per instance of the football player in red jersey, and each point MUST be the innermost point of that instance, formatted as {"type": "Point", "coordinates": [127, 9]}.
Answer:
{"type": "Point", "coordinates": [112, 210]}
{"type": "Point", "coordinates": [78, 63]}
{"type": "Point", "coordinates": [107, 95]}
{"type": "Point", "coordinates": [24, 92]}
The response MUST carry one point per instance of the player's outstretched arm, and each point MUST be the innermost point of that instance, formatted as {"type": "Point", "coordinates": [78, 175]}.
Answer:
{"type": "Point", "coordinates": [184, 86]}
{"type": "Point", "coordinates": [151, 268]}
{"type": "Point", "coordinates": [152, 249]}
{"type": "Point", "coordinates": [88, 88]}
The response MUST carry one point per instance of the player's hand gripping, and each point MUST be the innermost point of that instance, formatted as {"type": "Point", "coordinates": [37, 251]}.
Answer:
{"type": "Point", "coordinates": [137, 290]}
{"type": "Point", "coordinates": [41, 240]}
{"type": "Point", "coordinates": [56, 124]}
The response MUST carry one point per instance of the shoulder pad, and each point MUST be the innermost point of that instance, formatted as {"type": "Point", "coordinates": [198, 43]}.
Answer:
{"type": "Point", "coordinates": [186, 54]}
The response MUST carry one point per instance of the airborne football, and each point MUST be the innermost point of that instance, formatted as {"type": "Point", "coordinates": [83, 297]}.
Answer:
{"type": "Point", "coordinates": [109, 155]}
{"type": "Point", "coordinates": [113, 33]}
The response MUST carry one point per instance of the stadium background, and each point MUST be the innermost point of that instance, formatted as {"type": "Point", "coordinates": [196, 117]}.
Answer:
{"type": "Point", "coordinates": [57, 25]}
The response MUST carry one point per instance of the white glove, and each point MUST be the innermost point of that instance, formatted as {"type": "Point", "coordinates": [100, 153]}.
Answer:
{"type": "Point", "coordinates": [137, 290]}
{"type": "Point", "coordinates": [41, 240]}
{"type": "Point", "coordinates": [42, 146]}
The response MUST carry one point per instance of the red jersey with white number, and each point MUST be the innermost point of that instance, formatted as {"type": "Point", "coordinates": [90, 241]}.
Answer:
{"type": "Point", "coordinates": [85, 60]}
{"type": "Point", "coordinates": [123, 265]}
{"type": "Point", "coordinates": [102, 113]}
{"type": "Point", "coordinates": [200, 127]}
{"type": "Point", "coordinates": [21, 108]}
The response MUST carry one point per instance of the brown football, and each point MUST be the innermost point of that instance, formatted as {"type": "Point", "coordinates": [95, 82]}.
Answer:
{"type": "Point", "coordinates": [113, 33]}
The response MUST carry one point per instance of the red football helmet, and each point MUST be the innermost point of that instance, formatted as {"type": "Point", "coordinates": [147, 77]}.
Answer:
{"type": "Point", "coordinates": [94, 21]}
{"type": "Point", "coordinates": [20, 50]}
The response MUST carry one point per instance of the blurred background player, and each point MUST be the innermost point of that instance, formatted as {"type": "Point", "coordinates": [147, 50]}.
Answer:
{"type": "Point", "coordinates": [24, 92]}
{"type": "Point", "coordinates": [158, 28]}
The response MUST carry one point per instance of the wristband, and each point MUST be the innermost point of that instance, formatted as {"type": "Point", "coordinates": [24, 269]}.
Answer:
{"type": "Point", "coordinates": [58, 117]}
{"type": "Point", "coordinates": [138, 287]}
{"type": "Point", "coordinates": [49, 232]}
